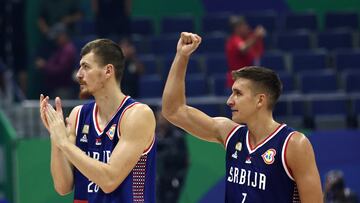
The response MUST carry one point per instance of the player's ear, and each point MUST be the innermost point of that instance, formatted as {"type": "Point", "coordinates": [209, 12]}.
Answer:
{"type": "Point", "coordinates": [109, 70]}
{"type": "Point", "coordinates": [261, 100]}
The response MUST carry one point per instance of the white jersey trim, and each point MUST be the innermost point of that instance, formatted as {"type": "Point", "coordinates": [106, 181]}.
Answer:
{"type": "Point", "coordinates": [283, 158]}
{"type": "Point", "coordinates": [77, 121]}
{"type": "Point", "coordinates": [264, 141]}
{"type": "Point", "coordinates": [97, 129]}
{"type": "Point", "coordinates": [231, 133]}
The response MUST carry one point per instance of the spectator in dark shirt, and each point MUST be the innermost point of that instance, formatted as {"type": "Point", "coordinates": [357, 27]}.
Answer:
{"type": "Point", "coordinates": [172, 164]}
{"type": "Point", "coordinates": [112, 17]}
{"type": "Point", "coordinates": [133, 69]}
{"type": "Point", "coordinates": [59, 66]}
{"type": "Point", "coordinates": [335, 190]}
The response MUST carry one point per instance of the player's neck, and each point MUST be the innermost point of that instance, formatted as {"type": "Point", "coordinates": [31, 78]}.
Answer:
{"type": "Point", "coordinates": [108, 101]}
{"type": "Point", "coordinates": [261, 129]}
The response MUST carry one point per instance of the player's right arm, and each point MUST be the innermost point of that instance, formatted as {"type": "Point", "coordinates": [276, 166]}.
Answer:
{"type": "Point", "coordinates": [61, 168]}
{"type": "Point", "coordinates": [174, 107]}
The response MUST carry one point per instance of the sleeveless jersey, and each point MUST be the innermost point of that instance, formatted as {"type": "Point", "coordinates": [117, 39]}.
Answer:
{"type": "Point", "coordinates": [138, 186]}
{"type": "Point", "coordinates": [258, 174]}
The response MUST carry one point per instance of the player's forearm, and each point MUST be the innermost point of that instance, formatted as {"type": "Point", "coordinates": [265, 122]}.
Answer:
{"type": "Point", "coordinates": [61, 171]}
{"type": "Point", "coordinates": [174, 91]}
{"type": "Point", "coordinates": [98, 172]}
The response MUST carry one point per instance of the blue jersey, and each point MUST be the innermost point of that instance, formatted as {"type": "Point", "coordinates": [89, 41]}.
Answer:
{"type": "Point", "coordinates": [138, 186]}
{"type": "Point", "coordinates": [258, 174]}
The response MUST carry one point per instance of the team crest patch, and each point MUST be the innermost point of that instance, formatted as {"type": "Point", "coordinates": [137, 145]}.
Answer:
{"type": "Point", "coordinates": [269, 156]}
{"type": "Point", "coordinates": [111, 132]}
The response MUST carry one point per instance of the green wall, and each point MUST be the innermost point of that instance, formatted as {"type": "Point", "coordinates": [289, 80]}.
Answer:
{"type": "Point", "coordinates": [207, 166]}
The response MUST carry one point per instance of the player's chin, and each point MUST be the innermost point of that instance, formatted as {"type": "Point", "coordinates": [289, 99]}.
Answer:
{"type": "Point", "coordinates": [84, 94]}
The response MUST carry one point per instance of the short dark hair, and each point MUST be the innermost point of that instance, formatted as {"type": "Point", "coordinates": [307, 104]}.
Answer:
{"type": "Point", "coordinates": [264, 79]}
{"type": "Point", "coordinates": [107, 52]}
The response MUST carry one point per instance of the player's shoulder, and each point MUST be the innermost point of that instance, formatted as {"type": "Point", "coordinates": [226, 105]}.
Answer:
{"type": "Point", "coordinates": [138, 112]}
{"type": "Point", "coordinates": [225, 127]}
{"type": "Point", "coordinates": [298, 142]}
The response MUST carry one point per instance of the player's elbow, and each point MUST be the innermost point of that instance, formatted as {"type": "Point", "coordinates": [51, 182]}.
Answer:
{"type": "Point", "coordinates": [63, 190]}
{"type": "Point", "coordinates": [109, 187]}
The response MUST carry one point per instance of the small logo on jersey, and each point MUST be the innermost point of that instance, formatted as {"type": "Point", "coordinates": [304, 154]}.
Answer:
{"type": "Point", "coordinates": [85, 129]}
{"type": "Point", "coordinates": [111, 132]}
{"type": "Point", "coordinates": [238, 147]}
{"type": "Point", "coordinates": [269, 156]}
{"type": "Point", "coordinates": [98, 141]}
{"type": "Point", "coordinates": [234, 155]}
{"type": "Point", "coordinates": [248, 160]}
{"type": "Point", "coordinates": [84, 138]}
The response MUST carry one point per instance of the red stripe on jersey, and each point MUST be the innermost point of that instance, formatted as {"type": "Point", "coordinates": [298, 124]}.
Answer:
{"type": "Point", "coordinates": [266, 139]}
{"type": "Point", "coordinates": [80, 201]}
{"type": "Point", "coordinates": [228, 136]}
{"type": "Point", "coordinates": [96, 111]}
{"type": "Point", "coordinates": [286, 164]}
{"type": "Point", "coordinates": [122, 113]}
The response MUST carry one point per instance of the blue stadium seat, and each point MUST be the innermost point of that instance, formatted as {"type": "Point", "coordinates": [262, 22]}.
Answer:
{"type": "Point", "coordinates": [289, 41]}
{"type": "Point", "coordinates": [299, 108]}
{"type": "Point", "coordinates": [287, 81]}
{"type": "Point", "coordinates": [329, 113]}
{"type": "Point", "coordinates": [196, 85]}
{"type": "Point", "coordinates": [267, 19]}
{"type": "Point", "coordinates": [85, 27]}
{"type": "Point", "coordinates": [352, 81]}
{"type": "Point", "coordinates": [295, 21]}
{"type": "Point", "coordinates": [164, 44]}
{"type": "Point", "coordinates": [141, 44]}
{"type": "Point", "coordinates": [142, 26]}
{"type": "Point", "coordinates": [347, 59]}
{"type": "Point", "coordinates": [194, 65]}
{"type": "Point", "coordinates": [335, 39]}
{"type": "Point", "coordinates": [281, 109]}
{"type": "Point", "coordinates": [80, 41]}
{"type": "Point", "coordinates": [177, 24]}
{"type": "Point", "coordinates": [318, 82]}
{"type": "Point", "coordinates": [150, 86]}
{"type": "Point", "coordinates": [212, 110]}
{"type": "Point", "coordinates": [219, 85]}
{"type": "Point", "coordinates": [309, 60]}
{"type": "Point", "coordinates": [215, 64]}
{"type": "Point", "coordinates": [342, 20]}
{"type": "Point", "coordinates": [214, 43]}
{"type": "Point", "coordinates": [150, 64]}
{"type": "Point", "coordinates": [274, 60]}
{"type": "Point", "coordinates": [215, 23]}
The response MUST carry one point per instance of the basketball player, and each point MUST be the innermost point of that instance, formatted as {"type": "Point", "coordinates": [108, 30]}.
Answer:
{"type": "Point", "coordinates": [266, 161]}
{"type": "Point", "coordinates": [106, 152]}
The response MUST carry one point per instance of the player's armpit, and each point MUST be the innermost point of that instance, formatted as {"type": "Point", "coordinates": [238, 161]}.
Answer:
{"type": "Point", "coordinates": [301, 161]}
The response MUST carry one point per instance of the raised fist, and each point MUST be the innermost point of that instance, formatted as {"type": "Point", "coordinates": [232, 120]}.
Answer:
{"type": "Point", "coordinates": [188, 43]}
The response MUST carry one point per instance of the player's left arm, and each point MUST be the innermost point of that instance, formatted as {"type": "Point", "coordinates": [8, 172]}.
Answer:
{"type": "Point", "coordinates": [137, 133]}
{"type": "Point", "coordinates": [301, 161]}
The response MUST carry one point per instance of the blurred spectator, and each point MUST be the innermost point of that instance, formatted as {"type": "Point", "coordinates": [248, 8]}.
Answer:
{"type": "Point", "coordinates": [172, 163]}
{"type": "Point", "coordinates": [112, 17]}
{"type": "Point", "coordinates": [56, 13]}
{"type": "Point", "coordinates": [58, 67]}
{"type": "Point", "coordinates": [335, 190]}
{"type": "Point", "coordinates": [66, 12]}
{"type": "Point", "coordinates": [244, 46]}
{"type": "Point", "coordinates": [133, 69]}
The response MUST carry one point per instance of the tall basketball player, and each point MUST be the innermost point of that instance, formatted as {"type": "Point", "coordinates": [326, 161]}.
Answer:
{"type": "Point", "coordinates": [266, 161]}
{"type": "Point", "coordinates": [106, 151]}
